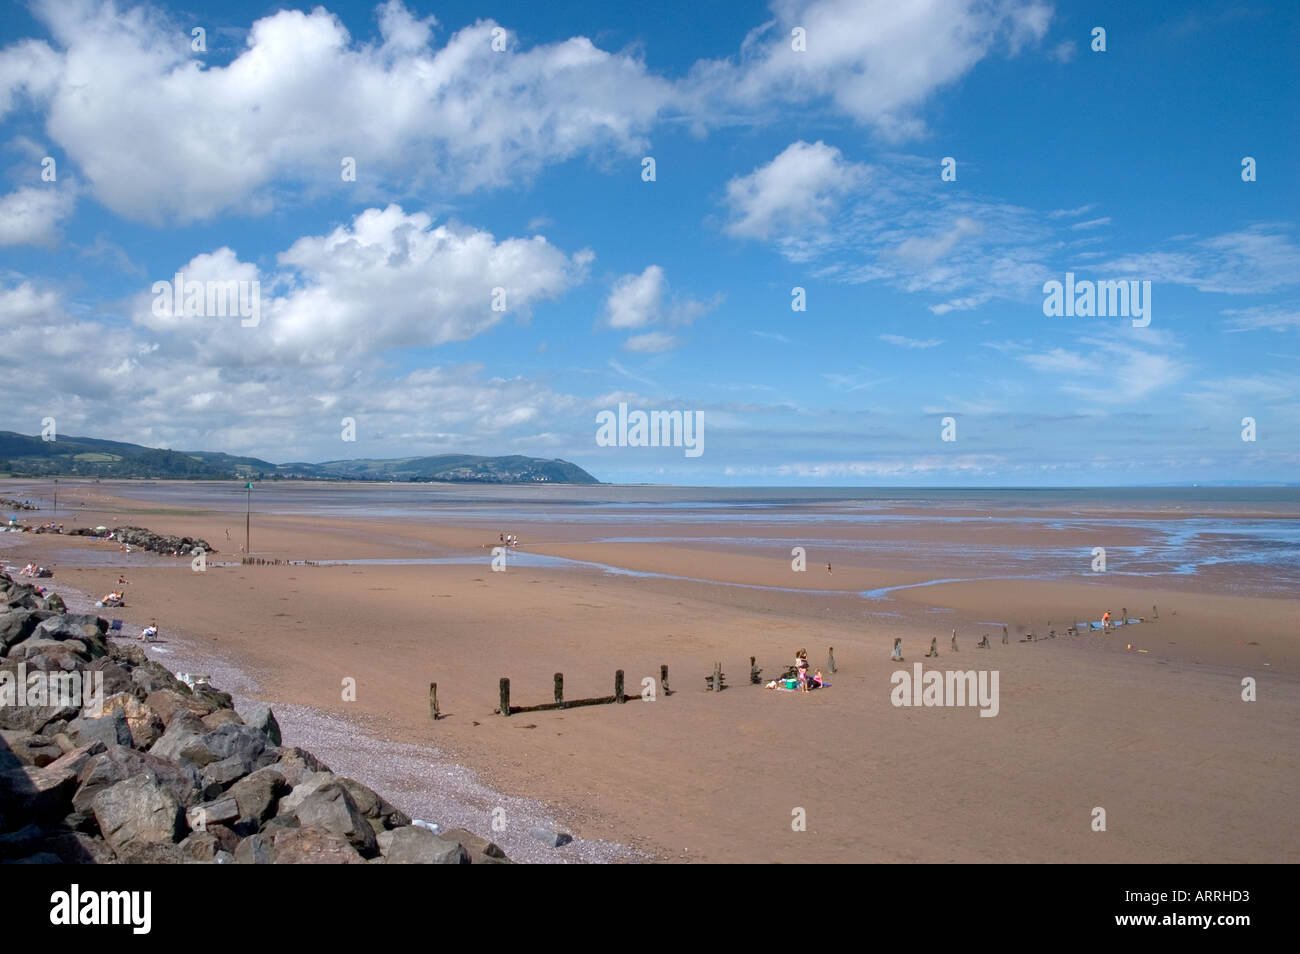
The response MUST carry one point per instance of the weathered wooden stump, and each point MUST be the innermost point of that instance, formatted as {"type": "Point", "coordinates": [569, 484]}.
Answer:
{"type": "Point", "coordinates": [618, 688]}
{"type": "Point", "coordinates": [505, 696]}
{"type": "Point", "coordinates": [433, 701]}
{"type": "Point", "coordinates": [559, 690]}
{"type": "Point", "coordinates": [830, 660]}
{"type": "Point", "coordinates": [663, 679]}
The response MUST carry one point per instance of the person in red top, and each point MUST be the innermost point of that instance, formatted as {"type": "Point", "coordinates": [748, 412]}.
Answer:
{"type": "Point", "coordinates": [1105, 620]}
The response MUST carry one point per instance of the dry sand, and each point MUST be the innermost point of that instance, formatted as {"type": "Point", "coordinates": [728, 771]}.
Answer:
{"type": "Point", "coordinates": [1184, 768]}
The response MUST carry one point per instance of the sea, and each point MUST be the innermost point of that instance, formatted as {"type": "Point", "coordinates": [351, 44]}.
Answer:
{"type": "Point", "coordinates": [1239, 539]}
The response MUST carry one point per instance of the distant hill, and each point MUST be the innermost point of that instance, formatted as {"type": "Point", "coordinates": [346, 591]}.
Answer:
{"type": "Point", "coordinates": [24, 456]}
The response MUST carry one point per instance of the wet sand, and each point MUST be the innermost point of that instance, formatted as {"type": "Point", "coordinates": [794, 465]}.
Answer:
{"type": "Point", "coordinates": [1162, 740]}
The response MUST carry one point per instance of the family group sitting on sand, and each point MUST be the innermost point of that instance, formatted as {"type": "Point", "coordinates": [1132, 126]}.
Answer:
{"type": "Point", "coordinates": [797, 676]}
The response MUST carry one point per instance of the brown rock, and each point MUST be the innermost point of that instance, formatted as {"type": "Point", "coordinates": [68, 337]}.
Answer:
{"type": "Point", "coordinates": [220, 717]}
{"type": "Point", "coordinates": [481, 851]}
{"type": "Point", "coordinates": [314, 846]}
{"type": "Point", "coordinates": [146, 725]}
{"type": "Point", "coordinates": [167, 702]}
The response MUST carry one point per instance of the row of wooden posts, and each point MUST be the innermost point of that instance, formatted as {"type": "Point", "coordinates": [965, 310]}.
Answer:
{"type": "Point", "coordinates": [618, 698]}
{"type": "Point", "coordinates": [1071, 630]}
{"type": "Point", "coordinates": [716, 681]}
{"type": "Point", "coordinates": [260, 561]}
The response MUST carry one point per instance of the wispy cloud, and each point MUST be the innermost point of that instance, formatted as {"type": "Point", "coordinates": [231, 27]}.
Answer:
{"type": "Point", "coordinates": [1280, 317]}
{"type": "Point", "coordinates": [904, 342]}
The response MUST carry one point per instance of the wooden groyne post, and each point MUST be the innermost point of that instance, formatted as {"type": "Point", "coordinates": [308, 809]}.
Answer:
{"type": "Point", "coordinates": [618, 698]}
{"type": "Point", "coordinates": [830, 660]}
{"type": "Point", "coordinates": [663, 680]}
{"type": "Point", "coordinates": [433, 701]}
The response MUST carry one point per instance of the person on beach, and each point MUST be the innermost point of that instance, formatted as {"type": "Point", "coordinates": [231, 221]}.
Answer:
{"type": "Point", "coordinates": [150, 632]}
{"type": "Point", "coordinates": [828, 567]}
{"type": "Point", "coordinates": [227, 534]}
{"type": "Point", "coordinates": [801, 664]}
{"type": "Point", "coordinates": [1105, 621]}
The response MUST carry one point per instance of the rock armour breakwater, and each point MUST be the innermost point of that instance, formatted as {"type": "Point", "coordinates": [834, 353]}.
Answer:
{"type": "Point", "coordinates": [154, 770]}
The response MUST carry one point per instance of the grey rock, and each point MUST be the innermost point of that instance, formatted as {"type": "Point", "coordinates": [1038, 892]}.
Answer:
{"type": "Point", "coordinates": [218, 776]}
{"type": "Point", "coordinates": [308, 785]}
{"type": "Point", "coordinates": [116, 677]}
{"type": "Point", "coordinates": [109, 729]}
{"type": "Point", "coordinates": [77, 758]}
{"type": "Point", "coordinates": [419, 846]}
{"type": "Point", "coordinates": [331, 808]}
{"type": "Point", "coordinates": [30, 749]}
{"type": "Point", "coordinates": [138, 811]}
{"type": "Point", "coordinates": [16, 625]}
{"type": "Point", "coordinates": [118, 763]}
{"type": "Point", "coordinates": [258, 849]}
{"type": "Point", "coordinates": [258, 794]}
{"type": "Point", "coordinates": [201, 817]}
{"type": "Point", "coordinates": [39, 645]}
{"type": "Point", "coordinates": [184, 731]}
{"type": "Point", "coordinates": [551, 839]}
{"type": "Point", "coordinates": [297, 764]}
{"type": "Point", "coordinates": [261, 717]}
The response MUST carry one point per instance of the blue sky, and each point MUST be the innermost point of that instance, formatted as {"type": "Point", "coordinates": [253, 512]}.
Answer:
{"type": "Point", "coordinates": [521, 169]}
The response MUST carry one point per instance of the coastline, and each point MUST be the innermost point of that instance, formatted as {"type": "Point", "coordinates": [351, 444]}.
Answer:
{"type": "Point", "coordinates": [715, 779]}
{"type": "Point", "coordinates": [398, 770]}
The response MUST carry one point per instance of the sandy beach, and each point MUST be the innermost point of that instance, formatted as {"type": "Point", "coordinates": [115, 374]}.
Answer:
{"type": "Point", "coordinates": [1161, 739]}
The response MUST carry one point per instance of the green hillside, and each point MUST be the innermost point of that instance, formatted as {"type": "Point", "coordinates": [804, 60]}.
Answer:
{"type": "Point", "coordinates": [24, 456]}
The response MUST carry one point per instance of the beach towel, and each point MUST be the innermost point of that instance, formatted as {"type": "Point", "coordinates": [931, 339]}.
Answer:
{"type": "Point", "coordinates": [781, 687]}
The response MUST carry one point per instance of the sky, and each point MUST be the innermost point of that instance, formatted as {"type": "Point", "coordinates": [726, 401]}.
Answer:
{"type": "Point", "coordinates": [473, 227]}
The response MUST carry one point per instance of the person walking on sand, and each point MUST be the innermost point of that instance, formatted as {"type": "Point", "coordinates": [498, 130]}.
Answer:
{"type": "Point", "coordinates": [1105, 621]}
{"type": "Point", "coordinates": [227, 534]}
